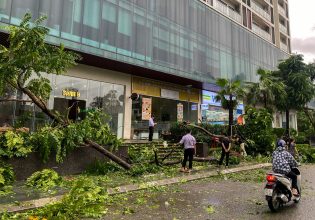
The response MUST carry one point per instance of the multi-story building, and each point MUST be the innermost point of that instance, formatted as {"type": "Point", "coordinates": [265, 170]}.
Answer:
{"type": "Point", "coordinates": [167, 52]}
{"type": "Point", "coordinates": [269, 19]}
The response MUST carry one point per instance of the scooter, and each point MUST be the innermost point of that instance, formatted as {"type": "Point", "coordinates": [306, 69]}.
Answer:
{"type": "Point", "coordinates": [278, 189]}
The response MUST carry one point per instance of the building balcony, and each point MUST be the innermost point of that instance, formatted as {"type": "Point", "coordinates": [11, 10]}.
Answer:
{"type": "Point", "coordinates": [281, 11]}
{"type": "Point", "coordinates": [260, 11]}
{"type": "Point", "coordinates": [224, 9]}
{"type": "Point", "coordinates": [206, 1]}
{"type": "Point", "coordinates": [283, 47]}
{"type": "Point", "coordinates": [262, 33]}
{"type": "Point", "coordinates": [283, 28]}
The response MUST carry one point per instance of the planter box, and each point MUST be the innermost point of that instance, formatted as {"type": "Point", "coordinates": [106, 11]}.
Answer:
{"type": "Point", "coordinates": [202, 149]}
{"type": "Point", "coordinates": [76, 162]}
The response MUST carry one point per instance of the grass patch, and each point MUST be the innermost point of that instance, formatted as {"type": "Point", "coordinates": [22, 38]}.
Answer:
{"type": "Point", "coordinates": [258, 175]}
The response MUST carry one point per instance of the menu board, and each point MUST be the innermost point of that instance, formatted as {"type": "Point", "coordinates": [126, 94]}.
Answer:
{"type": "Point", "coordinates": [180, 112]}
{"type": "Point", "coordinates": [146, 108]}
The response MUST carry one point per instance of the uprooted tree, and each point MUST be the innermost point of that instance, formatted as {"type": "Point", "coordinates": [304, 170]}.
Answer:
{"type": "Point", "coordinates": [27, 55]}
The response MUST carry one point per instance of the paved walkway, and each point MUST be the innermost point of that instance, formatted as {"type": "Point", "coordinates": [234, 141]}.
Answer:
{"type": "Point", "coordinates": [31, 204]}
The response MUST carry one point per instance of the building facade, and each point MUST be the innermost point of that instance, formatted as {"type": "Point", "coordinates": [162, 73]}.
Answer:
{"type": "Point", "coordinates": [165, 51]}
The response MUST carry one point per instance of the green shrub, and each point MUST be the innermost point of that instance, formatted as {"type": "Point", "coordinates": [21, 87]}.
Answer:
{"type": "Point", "coordinates": [140, 153]}
{"type": "Point", "coordinates": [6, 178]}
{"type": "Point", "coordinates": [101, 167]}
{"type": "Point", "coordinates": [44, 180]}
{"type": "Point", "coordinates": [62, 140]}
{"type": "Point", "coordinates": [306, 153]}
{"type": "Point", "coordinates": [141, 169]}
{"type": "Point", "coordinates": [86, 199]}
{"type": "Point", "coordinates": [279, 132]}
{"type": "Point", "coordinates": [14, 144]}
{"type": "Point", "coordinates": [258, 131]}
{"type": "Point", "coordinates": [234, 160]}
{"type": "Point", "coordinates": [301, 138]}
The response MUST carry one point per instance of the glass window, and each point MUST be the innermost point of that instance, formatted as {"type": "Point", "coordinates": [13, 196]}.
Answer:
{"type": "Point", "coordinates": [108, 27]}
{"type": "Point", "coordinates": [124, 32]}
{"type": "Point", "coordinates": [5, 7]}
{"type": "Point", "coordinates": [165, 113]}
{"type": "Point", "coordinates": [20, 8]}
{"type": "Point", "coordinates": [93, 97]}
{"type": "Point", "coordinates": [112, 103]}
{"type": "Point", "coordinates": [71, 20]}
{"type": "Point", "coordinates": [53, 13]}
{"type": "Point", "coordinates": [124, 22]}
{"type": "Point", "coordinates": [91, 23]}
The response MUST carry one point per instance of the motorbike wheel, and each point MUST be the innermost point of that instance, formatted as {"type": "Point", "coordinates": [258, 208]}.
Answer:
{"type": "Point", "coordinates": [274, 203]}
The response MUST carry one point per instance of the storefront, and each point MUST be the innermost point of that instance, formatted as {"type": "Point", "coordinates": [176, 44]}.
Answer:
{"type": "Point", "coordinates": [169, 103]}
{"type": "Point", "coordinates": [76, 96]}
{"type": "Point", "coordinates": [212, 111]}
{"type": "Point", "coordinates": [72, 97]}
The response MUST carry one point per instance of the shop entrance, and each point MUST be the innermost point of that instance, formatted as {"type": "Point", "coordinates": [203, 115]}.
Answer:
{"type": "Point", "coordinates": [73, 107]}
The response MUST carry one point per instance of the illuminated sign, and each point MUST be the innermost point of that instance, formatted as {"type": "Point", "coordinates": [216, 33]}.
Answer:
{"type": "Point", "coordinates": [70, 93]}
{"type": "Point", "coordinates": [209, 98]}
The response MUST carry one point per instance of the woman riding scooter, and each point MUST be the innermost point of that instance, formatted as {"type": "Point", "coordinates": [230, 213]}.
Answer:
{"type": "Point", "coordinates": [282, 162]}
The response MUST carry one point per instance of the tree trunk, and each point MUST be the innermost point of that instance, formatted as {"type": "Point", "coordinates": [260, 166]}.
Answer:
{"type": "Point", "coordinates": [39, 103]}
{"type": "Point", "coordinates": [230, 115]}
{"type": "Point", "coordinates": [204, 130]}
{"type": "Point", "coordinates": [108, 154]}
{"type": "Point", "coordinates": [287, 122]}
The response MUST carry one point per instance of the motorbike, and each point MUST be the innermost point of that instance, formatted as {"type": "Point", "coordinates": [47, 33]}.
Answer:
{"type": "Point", "coordinates": [278, 189]}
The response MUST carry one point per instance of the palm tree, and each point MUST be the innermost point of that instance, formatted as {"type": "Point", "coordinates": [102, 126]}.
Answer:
{"type": "Point", "coordinates": [268, 91]}
{"type": "Point", "coordinates": [229, 95]}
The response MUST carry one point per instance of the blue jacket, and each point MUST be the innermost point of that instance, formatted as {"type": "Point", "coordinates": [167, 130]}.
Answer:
{"type": "Point", "coordinates": [282, 161]}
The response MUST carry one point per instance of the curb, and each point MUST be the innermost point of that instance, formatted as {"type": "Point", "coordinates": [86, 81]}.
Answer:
{"type": "Point", "coordinates": [33, 204]}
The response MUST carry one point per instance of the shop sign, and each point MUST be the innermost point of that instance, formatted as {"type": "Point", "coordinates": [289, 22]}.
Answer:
{"type": "Point", "coordinates": [194, 107]}
{"type": "Point", "coordinates": [180, 112]}
{"type": "Point", "coordinates": [170, 94]}
{"type": "Point", "coordinates": [146, 108]}
{"type": "Point", "coordinates": [70, 93]}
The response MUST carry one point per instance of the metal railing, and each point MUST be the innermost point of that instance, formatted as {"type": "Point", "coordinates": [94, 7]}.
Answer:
{"type": "Point", "coordinates": [264, 34]}
{"type": "Point", "coordinates": [260, 11]}
{"type": "Point", "coordinates": [227, 11]}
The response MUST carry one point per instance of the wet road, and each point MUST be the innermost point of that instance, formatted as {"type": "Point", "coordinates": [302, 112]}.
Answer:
{"type": "Point", "coordinates": [214, 199]}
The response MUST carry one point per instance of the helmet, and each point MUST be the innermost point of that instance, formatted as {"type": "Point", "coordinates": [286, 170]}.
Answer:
{"type": "Point", "coordinates": [282, 143]}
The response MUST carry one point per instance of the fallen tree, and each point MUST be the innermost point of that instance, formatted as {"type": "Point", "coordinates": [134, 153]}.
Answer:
{"type": "Point", "coordinates": [23, 65]}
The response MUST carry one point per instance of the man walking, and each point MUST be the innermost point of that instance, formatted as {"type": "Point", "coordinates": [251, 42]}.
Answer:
{"type": "Point", "coordinates": [190, 145]}
{"type": "Point", "coordinates": [151, 127]}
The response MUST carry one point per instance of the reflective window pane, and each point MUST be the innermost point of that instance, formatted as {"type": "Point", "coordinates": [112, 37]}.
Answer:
{"type": "Point", "coordinates": [5, 7]}
{"type": "Point", "coordinates": [72, 20]}
{"type": "Point", "coordinates": [20, 8]}
{"type": "Point", "coordinates": [91, 23]}
{"type": "Point", "coordinates": [53, 13]}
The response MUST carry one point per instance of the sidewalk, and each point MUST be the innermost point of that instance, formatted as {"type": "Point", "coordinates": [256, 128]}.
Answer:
{"type": "Point", "coordinates": [37, 203]}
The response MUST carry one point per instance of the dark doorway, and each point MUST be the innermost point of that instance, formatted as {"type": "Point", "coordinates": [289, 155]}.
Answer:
{"type": "Point", "coordinates": [75, 109]}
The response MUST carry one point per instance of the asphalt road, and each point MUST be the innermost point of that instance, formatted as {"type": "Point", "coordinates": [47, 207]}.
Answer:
{"type": "Point", "coordinates": [213, 199]}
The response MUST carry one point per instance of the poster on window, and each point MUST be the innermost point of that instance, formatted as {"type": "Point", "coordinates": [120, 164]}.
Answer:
{"type": "Point", "coordinates": [180, 112]}
{"type": "Point", "coordinates": [146, 108]}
